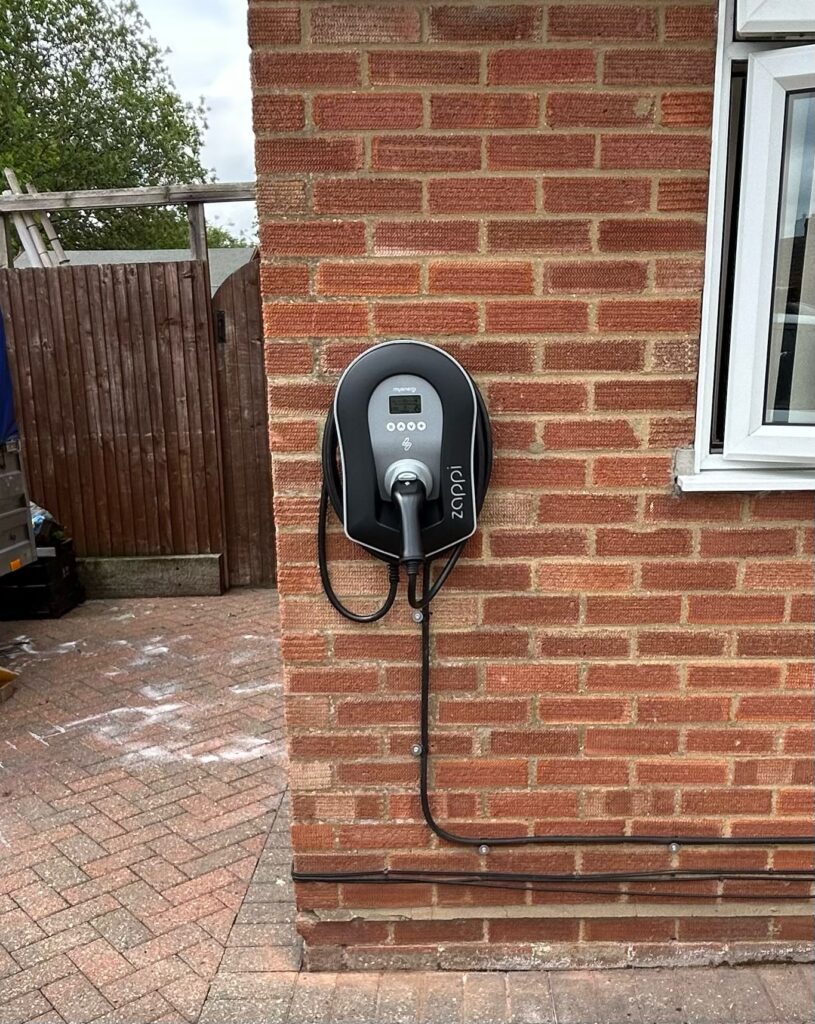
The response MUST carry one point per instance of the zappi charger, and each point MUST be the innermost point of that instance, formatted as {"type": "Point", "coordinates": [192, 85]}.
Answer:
{"type": "Point", "coordinates": [413, 441]}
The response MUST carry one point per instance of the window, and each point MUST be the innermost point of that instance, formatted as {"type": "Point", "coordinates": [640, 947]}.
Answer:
{"type": "Point", "coordinates": [756, 412]}
{"type": "Point", "coordinates": [767, 18]}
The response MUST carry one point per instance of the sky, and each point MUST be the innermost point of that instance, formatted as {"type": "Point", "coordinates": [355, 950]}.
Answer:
{"type": "Point", "coordinates": [209, 57]}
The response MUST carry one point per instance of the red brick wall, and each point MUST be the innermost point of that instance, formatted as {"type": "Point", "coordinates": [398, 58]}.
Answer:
{"type": "Point", "coordinates": [524, 184]}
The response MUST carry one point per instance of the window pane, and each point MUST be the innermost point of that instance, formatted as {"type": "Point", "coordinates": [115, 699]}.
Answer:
{"type": "Point", "coordinates": [790, 395]}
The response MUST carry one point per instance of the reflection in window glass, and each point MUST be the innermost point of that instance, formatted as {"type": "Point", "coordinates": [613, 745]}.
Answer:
{"type": "Point", "coordinates": [790, 395]}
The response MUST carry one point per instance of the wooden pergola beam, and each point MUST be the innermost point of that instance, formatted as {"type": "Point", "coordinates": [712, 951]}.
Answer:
{"type": "Point", "coordinates": [154, 195]}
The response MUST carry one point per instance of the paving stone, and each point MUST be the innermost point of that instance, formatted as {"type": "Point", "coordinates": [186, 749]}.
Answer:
{"type": "Point", "coordinates": [312, 999]}
{"type": "Point", "coordinates": [76, 999]}
{"type": "Point", "coordinates": [745, 996]}
{"type": "Point", "coordinates": [485, 998]}
{"type": "Point", "coordinates": [121, 929]}
{"type": "Point", "coordinates": [243, 1011]}
{"type": "Point", "coordinates": [24, 1009]}
{"type": "Point", "coordinates": [261, 958]}
{"type": "Point", "coordinates": [616, 996]}
{"type": "Point", "coordinates": [399, 998]}
{"type": "Point", "coordinates": [354, 999]}
{"type": "Point", "coordinates": [530, 998]}
{"type": "Point", "coordinates": [100, 962]}
{"type": "Point", "coordinates": [62, 942]}
{"type": "Point", "coordinates": [443, 999]}
{"type": "Point", "coordinates": [790, 990]}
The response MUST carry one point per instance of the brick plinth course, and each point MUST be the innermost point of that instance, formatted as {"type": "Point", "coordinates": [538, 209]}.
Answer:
{"type": "Point", "coordinates": [524, 185]}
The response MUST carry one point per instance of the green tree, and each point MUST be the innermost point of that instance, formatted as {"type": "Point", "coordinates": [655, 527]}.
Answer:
{"type": "Point", "coordinates": [86, 101]}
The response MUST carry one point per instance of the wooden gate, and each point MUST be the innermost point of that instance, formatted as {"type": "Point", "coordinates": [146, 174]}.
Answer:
{"type": "Point", "coordinates": [121, 395]}
{"type": "Point", "coordinates": [244, 427]}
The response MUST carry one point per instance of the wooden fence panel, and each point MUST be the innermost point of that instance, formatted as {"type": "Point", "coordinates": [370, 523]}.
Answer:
{"type": "Point", "coordinates": [114, 374]}
{"type": "Point", "coordinates": [241, 379]}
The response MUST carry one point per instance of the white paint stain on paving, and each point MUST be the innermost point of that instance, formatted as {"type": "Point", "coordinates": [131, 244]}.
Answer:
{"type": "Point", "coordinates": [254, 687]}
{"type": "Point", "coordinates": [149, 713]}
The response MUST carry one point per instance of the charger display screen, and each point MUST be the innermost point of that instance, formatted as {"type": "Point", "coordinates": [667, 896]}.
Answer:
{"type": "Point", "coordinates": [399, 404]}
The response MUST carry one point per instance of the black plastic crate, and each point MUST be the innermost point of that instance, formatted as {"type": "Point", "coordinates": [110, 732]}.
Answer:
{"type": "Point", "coordinates": [46, 589]}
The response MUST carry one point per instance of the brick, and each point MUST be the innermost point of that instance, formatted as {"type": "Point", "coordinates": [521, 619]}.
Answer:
{"type": "Point", "coordinates": [723, 741]}
{"type": "Point", "coordinates": [486, 771]}
{"type": "Point", "coordinates": [365, 23]}
{"type": "Point", "coordinates": [583, 709]}
{"type": "Point", "coordinates": [742, 542]}
{"type": "Point", "coordinates": [539, 151]}
{"type": "Point", "coordinates": [485, 277]}
{"type": "Point", "coordinates": [537, 543]}
{"type": "Point", "coordinates": [533, 930]}
{"type": "Point", "coordinates": [273, 26]}
{"type": "Point", "coordinates": [532, 678]}
{"type": "Point", "coordinates": [479, 712]}
{"type": "Point", "coordinates": [489, 24]}
{"type": "Point", "coordinates": [595, 195]}
{"type": "Point", "coordinates": [598, 276]}
{"type": "Point", "coordinates": [537, 397]}
{"type": "Point", "coordinates": [532, 317]}
{"type": "Point", "coordinates": [686, 773]}
{"type": "Point", "coordinates": [424, 67]}
{"type": "Point", "coordinates": [305, 70]}
{"type": "Point", "coordinates": [534, 742]}
{"type": "Point", "coordinates": [590, 434]}
{"type": "Point", "coordinates": [727, 801]}
{"type": "Point", "coordinates": [365, 279]}
{"type": "Point", "coordinates": [585, 508]}
{"type": "Point", "coordinates": [531, 235]}
{"type": "Point", "coordinates": [582, 645]}
{"type": "Point", "coordinates": [315, 319]}
{"type": "Point", "coordinates": [405, 318]}
{"type": "Point", "coordinates": [472, 110]}
{"type": "Point", "coordinates": [658, 66]}
{"type": "Point", "coordinates": [283, 279]}
{"type": "Point", "coordinates": [631, 741]}
{"type": "Point", "coordinates": [282, 113]}
{"type": "Point", "coordinates": [580, 772]}
{"type": "Point", "coordinates": [682, 195]}
{"type": "Point", "coordinates": [613, 471]}
{"type": "Point", "coordinates": [600, 578]}
{"type": "Point", "coordinates": [657, 393]}
{"type": "Point", "coordinates": [495, 356]}
{"type": "Point", "coordinates": [527, 473]}
{"type": "Point", "coordinates": [426, 153]}
{"type": "Point", "coordinates": [392, 238]}
{"type": "Point", "coordinates": [530, 610]}
{"type": "Point", "coordinates": [666, 541]}
{"type": "Point", "coordinates": [733, 608]}
{"type": "Point", "coordinates": [521, 66]}
{"type": "Point", "coordinates": [632, 610]}
{"type": "Point", "coordinates": [690, 22]}
{"type": "Point", "coordinates": [599, 110]}
{"type": "Point", "coordinates": [608, 21]}
{"type": "Point", "coordinates": [683, 709]}
{"type": "Point", "coordinates": [632, 677]}
{"type": "Point", "coordinates": [669, 152]}
{"type": "Point", "coordinates": [314, 238]}
{"type": "Point", "coordinates": [484, 644]}
{"type": "Point", "coordinates": [282, 194]}
{"type": "Point", "coordinates": [484, 195]}
{"type": "Point", "coordinates": [651, 236]}
{"type": "Point", "coordinates": [614, 929]}
{"type": "Point", "coordinates": [686, 109]}
{"type": "Point", "coordinates": [592, 355]}
{"type": "Point", "coordinates": [775, 709]}
{"type": "Point", "coordinates": [621, 316]}
{"type": "Point", "coordinates": [332, 680]}
{"type": "Point", "coordinates": [317, 156]}
{"type": "Point", "coordinates": [362, 112]}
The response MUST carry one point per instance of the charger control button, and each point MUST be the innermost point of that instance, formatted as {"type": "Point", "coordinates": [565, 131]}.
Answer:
{"type": "Point", "coordinates": [400, 426]}
{"type": "Point", "coordinates": [421, 425]}
{"type": "Point", "coordinates": [391, 426]}
{"type": "Point", "coordinates": [411, 426]}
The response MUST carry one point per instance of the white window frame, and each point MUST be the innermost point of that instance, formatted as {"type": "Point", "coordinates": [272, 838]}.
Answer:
{"type": "Point", "coordinates": [774, 17]}
{"type": "Point", "coordinates": [710, 471]}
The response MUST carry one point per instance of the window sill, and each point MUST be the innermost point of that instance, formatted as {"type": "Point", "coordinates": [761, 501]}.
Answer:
{"type": "Point", "coordinates": [713, 480]}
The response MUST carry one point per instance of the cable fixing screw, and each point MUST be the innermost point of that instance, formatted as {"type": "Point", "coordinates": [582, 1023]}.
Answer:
{"type": "Point", "coordinates": [417, 750]}
{"type": "Point", "coordinates": [674, 847]}
{"type": "Point", "coordinates": [483, 849]}
{"type": "Point", "coordinates": [417, 616]}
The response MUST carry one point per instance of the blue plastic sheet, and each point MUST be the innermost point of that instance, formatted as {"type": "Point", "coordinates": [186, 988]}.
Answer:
{"type": "Point", "coordinates": [8, 424]}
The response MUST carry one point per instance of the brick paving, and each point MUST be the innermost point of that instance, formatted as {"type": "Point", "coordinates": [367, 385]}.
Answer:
{"type": "Point", "coordinates": [142, 766]}
{"type": "Point", "coordinates": [144, 852]}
